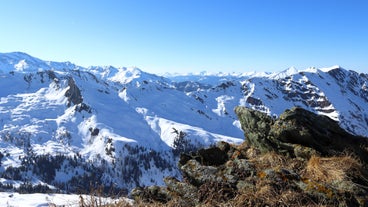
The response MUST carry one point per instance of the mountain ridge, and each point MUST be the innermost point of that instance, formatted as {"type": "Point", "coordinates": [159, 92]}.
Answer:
{"type": "Point", "coordinates": [125, 127]}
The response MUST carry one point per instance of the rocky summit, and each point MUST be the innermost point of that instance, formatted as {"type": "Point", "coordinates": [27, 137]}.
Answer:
{"type": "Point", "coordinates": [297, 159]}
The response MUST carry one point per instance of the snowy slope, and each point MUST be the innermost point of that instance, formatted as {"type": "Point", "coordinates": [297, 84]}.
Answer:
{"type": "Point", "coordinates": [63, 126]}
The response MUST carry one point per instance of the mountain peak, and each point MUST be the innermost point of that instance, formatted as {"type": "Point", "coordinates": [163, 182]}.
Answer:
{"type": "Point", "coordinates": [23, 62]}
{"type": "Point", "coordinates": [330, 68]}
{"type": "Point", "coordinates": [287, 72]}
{"type": "Point", "coordinates": [19, 55]}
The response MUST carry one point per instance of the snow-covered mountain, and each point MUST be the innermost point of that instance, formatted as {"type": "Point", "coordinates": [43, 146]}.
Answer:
{"type": "Point", "coordinates": [70, 128]}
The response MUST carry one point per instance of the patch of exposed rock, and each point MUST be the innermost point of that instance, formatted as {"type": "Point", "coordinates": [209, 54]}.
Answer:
{"type": "Point", "coordinates": [73, 93]}
{"type": "Point", "coordinates": [299, 159]}
{"type": "Point", "coordinates": [74, 96]}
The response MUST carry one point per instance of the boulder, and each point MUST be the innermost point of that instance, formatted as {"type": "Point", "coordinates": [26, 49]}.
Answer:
{"type": "Point", "coordinates": [256, 126]}
{"type": "Point", "coordinates": [188, 193]}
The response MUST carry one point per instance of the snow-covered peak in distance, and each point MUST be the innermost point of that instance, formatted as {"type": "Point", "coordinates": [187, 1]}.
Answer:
{"type": "Point", "coordinates": [213, 78]}
{"type": "Point", "coordinates": [22, 62]}
{"type": "Point", "coordinates": [214, 74]}
{"type": "Point", "coordinates": [124, 75]}
{"type": "Point", "coordinates": [103, 72]}
{"type": "Point", "coordinates": [19, 61]}
{"type": "Point", "coordinates": [288, 72]}
{"type": "Point", "coordinates": [330, 68]}
{"type": "Point", "coordinates": [293, 70]}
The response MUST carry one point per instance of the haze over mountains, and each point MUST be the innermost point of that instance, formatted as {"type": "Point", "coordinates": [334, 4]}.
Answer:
{"type": "Point", "coordinates": [63, 126]}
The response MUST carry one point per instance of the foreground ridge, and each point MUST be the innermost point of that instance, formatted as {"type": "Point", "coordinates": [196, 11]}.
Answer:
{"type": "Point", "coordinates": [299, 159]}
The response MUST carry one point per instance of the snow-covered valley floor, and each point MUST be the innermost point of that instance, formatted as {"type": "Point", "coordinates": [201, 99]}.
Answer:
{"type": "Point", "coordinates": [8, 199]}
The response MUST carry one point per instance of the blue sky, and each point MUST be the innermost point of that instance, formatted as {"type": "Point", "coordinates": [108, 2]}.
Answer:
{"type": "Point", "coordinates": [190, 35]}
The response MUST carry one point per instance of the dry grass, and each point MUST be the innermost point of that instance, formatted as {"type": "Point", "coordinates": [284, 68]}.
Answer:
{"type": "Point", "coordinates": [98, 201]}
{"type": "Point", "coordinates": [268, 196]}
{"type": "Point", "coordinates": [171, 203]}
{"type": "Point", "coordinates": [268, 160]}
{"type": "Point", "coordinates": [333, 169]}
{"type": "Point", "coordinates": [319, 171]}
{"type": "Point", "coordinates": [96, 198]}
{"type": "Point", "coordinates": [252, 153]}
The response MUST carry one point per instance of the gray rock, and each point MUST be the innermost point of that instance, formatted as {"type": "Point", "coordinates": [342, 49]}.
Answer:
{"type": "Point", "coordinates": [198, 174]}
{"type": "Point", "coordinates": [256, 126]}
{"type": "Point", "coordinates": [187, 192]}
{"type": "Point", "coordinates": [151, 194]}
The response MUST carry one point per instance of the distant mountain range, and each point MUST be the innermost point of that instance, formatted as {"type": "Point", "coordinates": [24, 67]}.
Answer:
{"type": "Point", "coordinates": [68, 128]}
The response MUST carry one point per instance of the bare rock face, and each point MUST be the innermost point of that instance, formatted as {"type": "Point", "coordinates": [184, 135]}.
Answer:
{"type": "Point", "coordinates": [75, 97]}
{"type": "Point", "coordinates": [73, 93]}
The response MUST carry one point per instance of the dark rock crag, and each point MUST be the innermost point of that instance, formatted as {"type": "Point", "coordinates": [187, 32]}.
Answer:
{"type": "Point", "coordinates": [74, 96]}
{"type": "Point", "coordinates": [73, 93]}
{"type": "Point", "coordinates": [299, 159]}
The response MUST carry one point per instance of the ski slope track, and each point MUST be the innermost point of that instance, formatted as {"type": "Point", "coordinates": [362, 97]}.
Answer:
{"type": "Point", "coordinates": [65, 128]}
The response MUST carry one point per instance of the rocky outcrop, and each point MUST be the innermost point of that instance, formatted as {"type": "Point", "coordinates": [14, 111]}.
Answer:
{"type": "Point", "coordinates": [74, 96]}
{"type": "Point", "coordinates": [299, 159]}
{"type": "Point", "coordinates": [215, 170]}
{"type": "Point", "coordinates": [73, 93]}
{"type": "Point", "coordinates": [299, 133]}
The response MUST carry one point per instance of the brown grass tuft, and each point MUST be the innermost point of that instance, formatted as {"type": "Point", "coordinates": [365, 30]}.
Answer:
{"type": "Point", "coordinates": [333, 169]}
{"type": "Point", "coordinates": [269, 160]}
{"type": "Point", "coordinates": [251, 153]}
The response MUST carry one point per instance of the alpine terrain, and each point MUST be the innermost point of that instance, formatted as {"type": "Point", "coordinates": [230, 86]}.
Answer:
{"type": "Point", "coordinates": [66, 128]}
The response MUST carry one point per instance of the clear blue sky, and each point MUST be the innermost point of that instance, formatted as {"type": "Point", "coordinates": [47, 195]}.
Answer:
{"type": "Point", "coordinates": [190, 35]}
